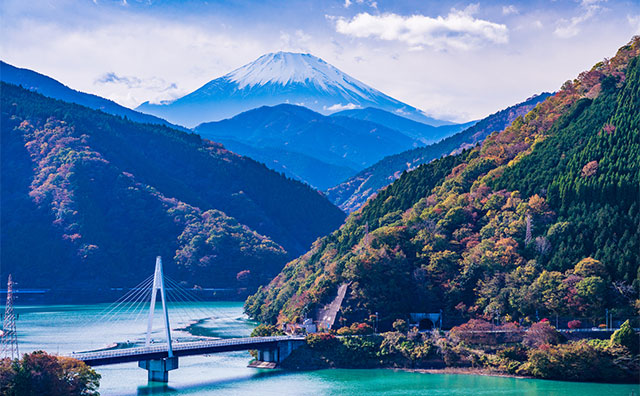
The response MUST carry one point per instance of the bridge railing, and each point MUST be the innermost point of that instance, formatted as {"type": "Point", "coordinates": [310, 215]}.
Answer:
{"type": "Point", "coordinates": [179, 347]}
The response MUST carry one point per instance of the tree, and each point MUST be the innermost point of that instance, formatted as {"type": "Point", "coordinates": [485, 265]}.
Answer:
{"type": "Point", "coordinates": [543, 246]}
{"type": "Point", "coordinates": [627, 337]}
{"type": "Point", "coordinates": [540, 333]}
{"type": "Point", "coordinates": [39, 373]}
{"type": "Point", "coordinates": [528, 237]}
{"type": "Point", "coordinates": [582, 361]}
{"type": "Point", "coordinates": [356, 329]}
{"type": "Point", "coordinates": [574, 324]}
{"type": "Point", "coordinates": [401, 326]}
{"type": "Point", "coordinates": [266, 330]}
{"type": "Point", "coordinates": [549, 290]}
{"type": "Point", "coordinates": [589, 169]}
{"type": "Point", "coordinates": [475, 331]}
{"type": "Point", "coordinates": [593, 290]}
{"type": "Point", "coordinates": [590, 267]}
{"type": "Point", "coordinates": [243, 276]}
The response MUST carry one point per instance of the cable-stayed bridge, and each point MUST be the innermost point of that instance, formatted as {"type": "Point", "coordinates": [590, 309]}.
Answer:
{"type": "Point", "coordinates": [137, 354]}
{"type": "Point", "coordinates": [159, 357]}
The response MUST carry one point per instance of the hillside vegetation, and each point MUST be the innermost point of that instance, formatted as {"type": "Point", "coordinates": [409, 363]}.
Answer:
{"type": "Point", "coordinates": [89, 199]}
{"type": "Point", "coordinates": [541, 219]}
{"type": "Point", "coordinates": [352, 193]}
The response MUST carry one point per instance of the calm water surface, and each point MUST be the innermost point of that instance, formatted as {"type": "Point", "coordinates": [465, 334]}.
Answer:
{"type": "Point", "coordinates": [63, 329]}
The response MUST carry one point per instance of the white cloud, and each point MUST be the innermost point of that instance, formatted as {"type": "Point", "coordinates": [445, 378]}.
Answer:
{"type": "Point", "coordinates": [156, 86]}
{"type": "Point", "coordinates": [510, 9]}
{"type": "Point", "coordinates": [568, 28]}
{"type": "Point", "coordinates": [154, 83]}
{"type": "Point", "coordinates": [299, 41]}
{"type": "Point", "coordinates": [458, 30]}
{"type": "Point", "coordinates": [372, 4]}
{"type": "Point", "coordinates": [105, 59]}
{"type": "Point", "coordinates": [340, 107]}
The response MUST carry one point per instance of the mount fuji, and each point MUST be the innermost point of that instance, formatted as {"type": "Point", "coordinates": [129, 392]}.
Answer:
{"type": "Point", "coordinates": [275, 78]}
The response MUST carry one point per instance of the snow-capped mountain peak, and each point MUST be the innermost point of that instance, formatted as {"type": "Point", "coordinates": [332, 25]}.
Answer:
{"type": "Point", "coordinates": [287, 67]}
{"type": "Point", "coordinates": [275, 78]}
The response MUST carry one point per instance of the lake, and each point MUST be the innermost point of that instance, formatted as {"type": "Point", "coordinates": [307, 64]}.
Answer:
{"type": "Point", "coordinates": [66, 328]}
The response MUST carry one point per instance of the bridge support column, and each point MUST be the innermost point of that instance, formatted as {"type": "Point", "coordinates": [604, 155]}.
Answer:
{"type": "Point", "coordinates": [269, 355]}
{"type": "Point", "coordinates": [285, 349]}
{"type": "Point", "coordinates": [158, 369]}
{"type": "Point", "coordinates": [278, 353]}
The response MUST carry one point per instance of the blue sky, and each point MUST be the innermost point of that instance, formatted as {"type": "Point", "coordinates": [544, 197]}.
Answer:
{"type": "Point", "coordinates": [454, 59]}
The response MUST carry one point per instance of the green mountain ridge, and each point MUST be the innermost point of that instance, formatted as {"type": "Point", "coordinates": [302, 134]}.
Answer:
{"type": "Point", "coordinates": [89, 199]}
{"type": "Point", "coordinates": [352, 193]}
{"type": "Point", "coordinates": [541, 219]}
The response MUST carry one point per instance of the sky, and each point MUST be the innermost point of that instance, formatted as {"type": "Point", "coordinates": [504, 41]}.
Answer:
{"type": "Point", "coordinates": [456, 60]}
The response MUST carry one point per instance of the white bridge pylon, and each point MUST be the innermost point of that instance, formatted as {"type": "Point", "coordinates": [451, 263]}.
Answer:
{"type": "Point", "coordinates": [158, 284]}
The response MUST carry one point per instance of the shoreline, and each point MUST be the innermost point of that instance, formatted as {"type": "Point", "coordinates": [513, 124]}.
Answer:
{"type": "Point", "coordinates": [464, 371]}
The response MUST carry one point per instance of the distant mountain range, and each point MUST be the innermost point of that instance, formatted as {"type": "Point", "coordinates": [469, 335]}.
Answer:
{"type": "Point", "coordinates": [351, 194]}
{"type": "Point", "coordinates": [303, 144]}
{"type": "Point", "coordinates": [89, 199]}
{"type": "Point", "coordinates": [47, 86]}
{"type": "Point", "coordinates": [275, 78]}
{"type": "Point", "coordinates": [306, 145]}
{"type": "Point", "coordinates": [424, 133]}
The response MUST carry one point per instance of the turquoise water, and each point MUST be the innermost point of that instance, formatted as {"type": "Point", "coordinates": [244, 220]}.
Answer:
{"type": "Point", "coordinates": [63, 329]}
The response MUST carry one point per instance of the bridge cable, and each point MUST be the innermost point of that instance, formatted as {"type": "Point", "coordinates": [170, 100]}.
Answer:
{"type": "Point", "coordinates": [181, 307]}
{"type": "Point", "coordinates": [132, 296]}
{"type": "Point", "coordinates": [136, 306]}
{"type": "Point", "coordinates": [192, 296]}
{"type": "Point", "coordinates": [133, 291]}
{"type": "Point", "coordinates": [114, 308]}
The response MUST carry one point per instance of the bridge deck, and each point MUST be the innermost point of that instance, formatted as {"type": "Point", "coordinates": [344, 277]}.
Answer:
{"type": "Point", "coordinates": [125, 355]}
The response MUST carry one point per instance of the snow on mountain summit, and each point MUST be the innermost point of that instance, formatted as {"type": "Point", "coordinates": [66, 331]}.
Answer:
{"type": "Point", "coordinates": [288, 67]}
{"type": "Point", "coordinates": [275, 78]}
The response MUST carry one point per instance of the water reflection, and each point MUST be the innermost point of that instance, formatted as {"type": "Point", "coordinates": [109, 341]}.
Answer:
{"type": "Point", "coordinates": [156, 389]}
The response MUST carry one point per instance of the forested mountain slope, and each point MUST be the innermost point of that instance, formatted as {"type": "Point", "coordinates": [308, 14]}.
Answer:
{"type": "Point", "coordinates": [542, 219]}
{"type": "Point", "coordinates": [352, 193]}
{"type": "Point", "coordinates": [90, 199]}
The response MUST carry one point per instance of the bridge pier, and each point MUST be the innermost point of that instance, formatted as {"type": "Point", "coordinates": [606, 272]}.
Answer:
{"type": "Point", "coordinates": [269, 355]}
{"type": "Point", "coordinates": [276, 354]}
{"type": "Point", "coordinates": [158, 369]}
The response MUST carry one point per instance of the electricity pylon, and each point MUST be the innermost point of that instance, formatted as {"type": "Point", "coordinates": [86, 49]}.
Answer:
{"type": "Point", "coordinates": [9, 340]}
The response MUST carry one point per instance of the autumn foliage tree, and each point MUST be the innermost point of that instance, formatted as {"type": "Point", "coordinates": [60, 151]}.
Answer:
{"type": "Point", "coordinates": [540, 333]}
{"type": "Point", "coordinates": [39, 373]}
{"type": "Point", "coordinates": [627, 337]}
